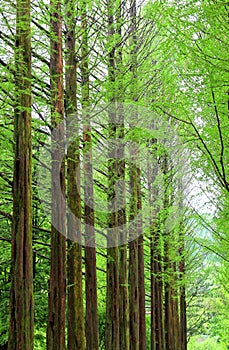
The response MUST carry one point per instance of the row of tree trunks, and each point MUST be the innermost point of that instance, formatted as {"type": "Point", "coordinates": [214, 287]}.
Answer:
{"type": "Point", "coordinates": [168, 303]}
{"type": "Point", "coordinates": [128, 311]}
{"type": "Point", "coordinates": [125, 307]}
{"type": "Point", "coordinates": [174, 297]}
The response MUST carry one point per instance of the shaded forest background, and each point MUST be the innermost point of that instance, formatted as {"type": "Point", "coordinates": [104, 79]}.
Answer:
{"type": "Point", "coordinates": [136, 257]}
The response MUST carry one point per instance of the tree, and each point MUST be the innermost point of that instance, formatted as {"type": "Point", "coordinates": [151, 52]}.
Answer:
{"type": "Point", "coordinates": [89, 217]}
{"type": "Point", "coordinates": [121, 174]}
{"type": "Point", "coordinates": [156, 251]}
{"type": "Point", "coordinates": [21, 296]}
{"type": "Point", "coordinates": [76, 329]}
{"type": "Point", "coordinates": [57, 282]}
{"type": "Point", "coordinates": [112, 295]}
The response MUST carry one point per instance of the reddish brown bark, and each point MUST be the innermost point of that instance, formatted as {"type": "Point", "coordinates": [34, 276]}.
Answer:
{"type": "Point", "coordinates": [157, 317]}
{"type": "Point", "coordinates": [171, 318]}
{"type": "Point", "coordinates": [112, 295]}
{"type": "Point", "coordinates": [57, 283]}
{"type": "Point", "coordinates": [133, 263]}
{"type": "Point", "coordinates": [76, 329]}
{"type": "Point", "coordinates": [90, 251]}
{"type": "Point", "coordinates": [141, 281]}
{"type": "Point", "coordinates": [121, 212]}
{"type": "Point", "coordinates": [123, 269]}
{"type": "Point", "coordinates": [152, 297]}
{"type": "Point", "coordinates": [136, 255]}
{"type": "Point", "coordinates": [171, 297]}
{"type": "Point", "coordinates": [183, 316]}
{"type": "Point", "coordinates": [21, 298]}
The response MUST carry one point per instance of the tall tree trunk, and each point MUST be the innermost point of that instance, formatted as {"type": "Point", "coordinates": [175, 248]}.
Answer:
{"type": "Point", "coordinates": [176, 318]}
{"type": "Point", "coordinates": [152, 293]}
{"type": "Point", "coordinates": [171, 311]}
{"type": "Point", "coordinates": [157, 317]}
{"type": "Point", "coordinates": [123, 271]}
{"type": "Point", "coordinates": [135, 254]}
{"type": "Point", "coordinates": [169, 337]}
{"type": "Point", "coordinates": [112, 296]}
{"type": "Point", "coordinates": [170, 268]}
{"type": "Point", "coordinates": [21, 297]}
{"type": "Point", "coordinates": [90, 251]}
{"type": "Point", "coordinates": [160, 329]}
{"type": "Point", "coordinates": [57, 283]}
{"type": "Point", "coordinates": [141, 280]}
{"type": "Point", "coordinates": [76, 329]}
{"type": "Point", "coordinates": [170, 345]}
{"type": "Point", "coordinates": [183, 316]}
{"type": "Point", "coordinates": [133, 265]}
{"type": "Point", "coordinates": [121, 211]}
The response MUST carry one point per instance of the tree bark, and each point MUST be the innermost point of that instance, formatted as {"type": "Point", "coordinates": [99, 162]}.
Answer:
{"type": "Point", "coordinates": [141, 281]}
{"type": "Point", "coordinates": [121, 201]}
{"type": "Point", "coordinates": [133, 255]}
{"type": "Point", "coordinates": [21, 296]}
{"type": "Point", "coordinates": [156, 285]}
{"type": "Point", "coordinates": [90, 250]}
{"type": "Point", "coordinates": [112, 295]}
{"type": "Point", "coordinates": [183, 306]}
{"type": "Point", "coordinates": [76, 329]}
{"type": "Point", "coordinates": [57, 282]}
{"type": "Point", "coordinates": [136, 255]}
{"type": "Point", "coordinates": [171, 298]}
